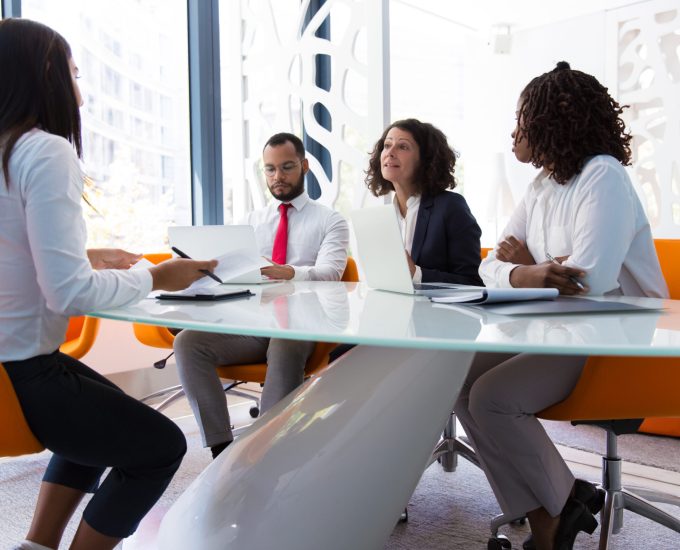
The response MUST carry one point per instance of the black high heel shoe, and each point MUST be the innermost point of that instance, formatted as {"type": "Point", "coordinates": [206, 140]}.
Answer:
{"type": "Point", "coordinates": [575, 517]}
{"type": "Point", "coordinates": [585, 492]}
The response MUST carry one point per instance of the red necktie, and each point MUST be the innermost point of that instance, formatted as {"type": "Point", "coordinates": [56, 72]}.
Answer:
{"type": "Point", "coordinates": [281, 237]}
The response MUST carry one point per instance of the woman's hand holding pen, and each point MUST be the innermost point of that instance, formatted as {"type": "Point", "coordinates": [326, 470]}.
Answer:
{"type": "Point", "coordinates": [179, 273]}
{"type": "Point", "coordinates": [548, 275]}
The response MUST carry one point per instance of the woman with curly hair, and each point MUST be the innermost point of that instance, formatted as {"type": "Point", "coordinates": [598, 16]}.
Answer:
{"type": "Point", "coordinates": [580, 228]}
{"type": "Point", "coordinates": [441, 236]}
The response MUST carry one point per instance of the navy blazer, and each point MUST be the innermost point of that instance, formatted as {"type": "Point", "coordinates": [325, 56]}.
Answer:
{"type": "Point", "coordinates": [446, 240]}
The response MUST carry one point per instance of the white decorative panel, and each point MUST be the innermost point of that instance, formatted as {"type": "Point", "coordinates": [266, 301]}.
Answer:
{"type": "Point", "coordinates": [270, 77]}
{"type": "Point", "coordinates": [645, 74]}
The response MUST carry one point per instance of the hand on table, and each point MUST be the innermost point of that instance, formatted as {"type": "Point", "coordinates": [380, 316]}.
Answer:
{"type": "Point", "coordinates": [548, 275]}
{"type": "Point", "coordinates": [277, 271]}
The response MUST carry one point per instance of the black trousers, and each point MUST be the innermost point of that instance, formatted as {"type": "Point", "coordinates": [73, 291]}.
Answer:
{"type": "Point", "coordinates": [90, 424]}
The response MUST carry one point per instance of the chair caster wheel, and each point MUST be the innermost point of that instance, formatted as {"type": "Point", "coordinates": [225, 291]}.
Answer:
{"type": "Point", "coordinates": [254, 412]}
{"type": "Point", "coordinates": [403, 517]}
{"type": "Point", "coordinates": [499, 542]}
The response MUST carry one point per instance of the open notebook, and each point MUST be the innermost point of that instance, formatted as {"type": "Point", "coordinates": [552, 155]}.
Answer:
{"type": "Point", "coordinates": [473, 295]}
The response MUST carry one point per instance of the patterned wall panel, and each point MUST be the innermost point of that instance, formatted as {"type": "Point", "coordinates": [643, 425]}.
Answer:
{"type": "Point", "coordinates": [645, 74]}
{"type": "Point", "coordinates": [271, 83]}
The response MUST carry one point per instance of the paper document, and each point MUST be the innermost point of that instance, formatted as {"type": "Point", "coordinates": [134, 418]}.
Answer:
{"type": "Point", "coordinates": [232, 266]}
{"type": "Point", "coordinates": [142, 264]}
{"type": "Point", "coordinates": [496, 295]}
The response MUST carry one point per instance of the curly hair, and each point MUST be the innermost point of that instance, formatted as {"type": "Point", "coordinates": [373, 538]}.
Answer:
{"type": "Point", "coordinates": [435, 172]}
{"type": "Point", "coordinates": [567, 116]}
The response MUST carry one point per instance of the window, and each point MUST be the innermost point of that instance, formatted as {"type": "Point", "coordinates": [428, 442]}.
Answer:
{"type": "Point", "coordinates": [138, 177]}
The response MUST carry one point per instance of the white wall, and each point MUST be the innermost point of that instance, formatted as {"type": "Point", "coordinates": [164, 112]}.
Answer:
{"type": "Point", "coordinates": [493, 84]}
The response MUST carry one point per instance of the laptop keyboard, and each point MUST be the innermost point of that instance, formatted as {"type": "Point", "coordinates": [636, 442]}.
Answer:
{"type": "Point", "coordinates": [434, 286]}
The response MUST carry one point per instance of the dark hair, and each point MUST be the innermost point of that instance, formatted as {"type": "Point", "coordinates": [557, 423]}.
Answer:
{"type": "Point", "coordinates": [285, 137]}
{"type": "Point", "coordinates": [37, 88]}
{"type": "Point", "coordinates": [437, 160]}
{"type": "Point", "coordinates": [567, 116]}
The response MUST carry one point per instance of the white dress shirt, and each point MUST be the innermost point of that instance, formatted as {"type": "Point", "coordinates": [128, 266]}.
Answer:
{"type": "Point", "coordinates": [318, 238]}
{"type": "Point", "coordinates": [407, 225]}
{"type": "Point", "coordinates": [597, 220]}
{"type": "Point", "coordinates": [46, 275]}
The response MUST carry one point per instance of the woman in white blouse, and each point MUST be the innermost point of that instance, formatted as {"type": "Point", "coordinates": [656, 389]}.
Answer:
{"type": "Point", "coordinates": [580, 228]}
{"type": "Point", "coordinates": [47, 275]}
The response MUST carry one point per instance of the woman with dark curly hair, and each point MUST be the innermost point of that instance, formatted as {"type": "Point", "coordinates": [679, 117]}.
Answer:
{"type": "Point", "coordinates": [441, 236]}
{"type": "Point", "coordinates": [580, 228]}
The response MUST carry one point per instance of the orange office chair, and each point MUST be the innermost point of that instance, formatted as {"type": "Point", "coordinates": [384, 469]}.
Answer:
{"type": "Point", "coordinates": [16, 437]}
{"type": "Point", "coordinates": [80, 336]}
{"type": "Point", "coordinates": [645, 388]}
{"type": "Point", "coordinates": [666, 250]}
{"type": "Point", "coordinates": [161, 337]}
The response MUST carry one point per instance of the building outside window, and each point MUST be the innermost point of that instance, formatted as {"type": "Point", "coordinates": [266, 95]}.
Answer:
{"type": "Point", "coordinates": [132, 56]}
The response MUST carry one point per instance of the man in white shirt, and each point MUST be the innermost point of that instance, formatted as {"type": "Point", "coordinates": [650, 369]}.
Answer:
{"type": "Point", "coordinates": [306, 241]}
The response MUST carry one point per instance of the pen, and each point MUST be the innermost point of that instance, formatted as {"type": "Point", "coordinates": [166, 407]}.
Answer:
{"type": "Point", "coordinates": [571, 277]}
{"type": "Point", "coordinates": [187, 257]}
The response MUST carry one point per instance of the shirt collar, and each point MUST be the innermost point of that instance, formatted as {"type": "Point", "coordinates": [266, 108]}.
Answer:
{"type": "Point", "coordinates": [541, 180]}
{"type": "Point", "coordinates": [298, 202]}
{"type": "Point", "coordinates": [412, 202]}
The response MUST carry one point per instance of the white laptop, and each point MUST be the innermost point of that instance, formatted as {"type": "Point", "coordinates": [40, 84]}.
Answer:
{"type": "Point", "coordinates": [236, 242]}
{"type": "Point", "coordinates": [382, 255]}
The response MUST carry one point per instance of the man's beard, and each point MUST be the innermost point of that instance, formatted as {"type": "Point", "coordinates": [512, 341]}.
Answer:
{"type": "Point", "coordinates": [294, 192]}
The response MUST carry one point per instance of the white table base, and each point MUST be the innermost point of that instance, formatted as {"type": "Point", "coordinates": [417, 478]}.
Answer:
{"type": "Point", "coordinates": [333, 465]}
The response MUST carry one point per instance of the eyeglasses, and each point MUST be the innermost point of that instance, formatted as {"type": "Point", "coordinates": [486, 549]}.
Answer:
{"type": "Point", "coordinates": [286, 168]}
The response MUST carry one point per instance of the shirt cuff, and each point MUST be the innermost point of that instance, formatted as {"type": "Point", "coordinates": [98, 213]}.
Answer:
{"type": "Point", "coordinates": [418, 275]}
{"type": "Point", "coordinates": [145, 282]}
{"type": "Point", "coordinates": [301, 273]}
{"type": "Point", "coordinates": [504, 275]}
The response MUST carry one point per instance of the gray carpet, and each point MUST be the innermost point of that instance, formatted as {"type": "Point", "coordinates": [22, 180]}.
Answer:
{"type": "Point", "coordinates": [659, 452]}
{"type": "Point", "coordinates": [447, 511]}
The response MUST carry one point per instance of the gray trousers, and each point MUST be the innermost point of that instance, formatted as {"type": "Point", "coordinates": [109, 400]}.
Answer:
{"type": "Point", "coordinates": [497, 407]}
{"type": "Point", "coordinates": [199, 353]}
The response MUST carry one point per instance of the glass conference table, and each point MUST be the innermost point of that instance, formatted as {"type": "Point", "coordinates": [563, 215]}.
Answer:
{"type": "Point", "coordinates": [334, 463]}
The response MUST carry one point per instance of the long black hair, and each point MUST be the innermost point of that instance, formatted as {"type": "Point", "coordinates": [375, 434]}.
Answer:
{"type": "Point", "coordinates": [568, 116]}
{"type": "Point", "coordinates": [36, 87]}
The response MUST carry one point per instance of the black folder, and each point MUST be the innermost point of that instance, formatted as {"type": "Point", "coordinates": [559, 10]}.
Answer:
{"type": "Point", "coordinates": [212, 294]}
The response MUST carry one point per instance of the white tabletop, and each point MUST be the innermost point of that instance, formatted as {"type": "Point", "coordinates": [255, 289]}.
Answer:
{"type": "Point", "coordinates": [328, 441]}
{"type": "Point", "coordinates": [352, 313]}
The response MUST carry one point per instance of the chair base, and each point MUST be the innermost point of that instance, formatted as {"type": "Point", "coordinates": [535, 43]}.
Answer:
{"type": "Point", "coordinates": [176, 392]}
{"type": "Point", "coordinates": [450, 446]}
{"type": "Point", "coordinates": [618, 499]}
